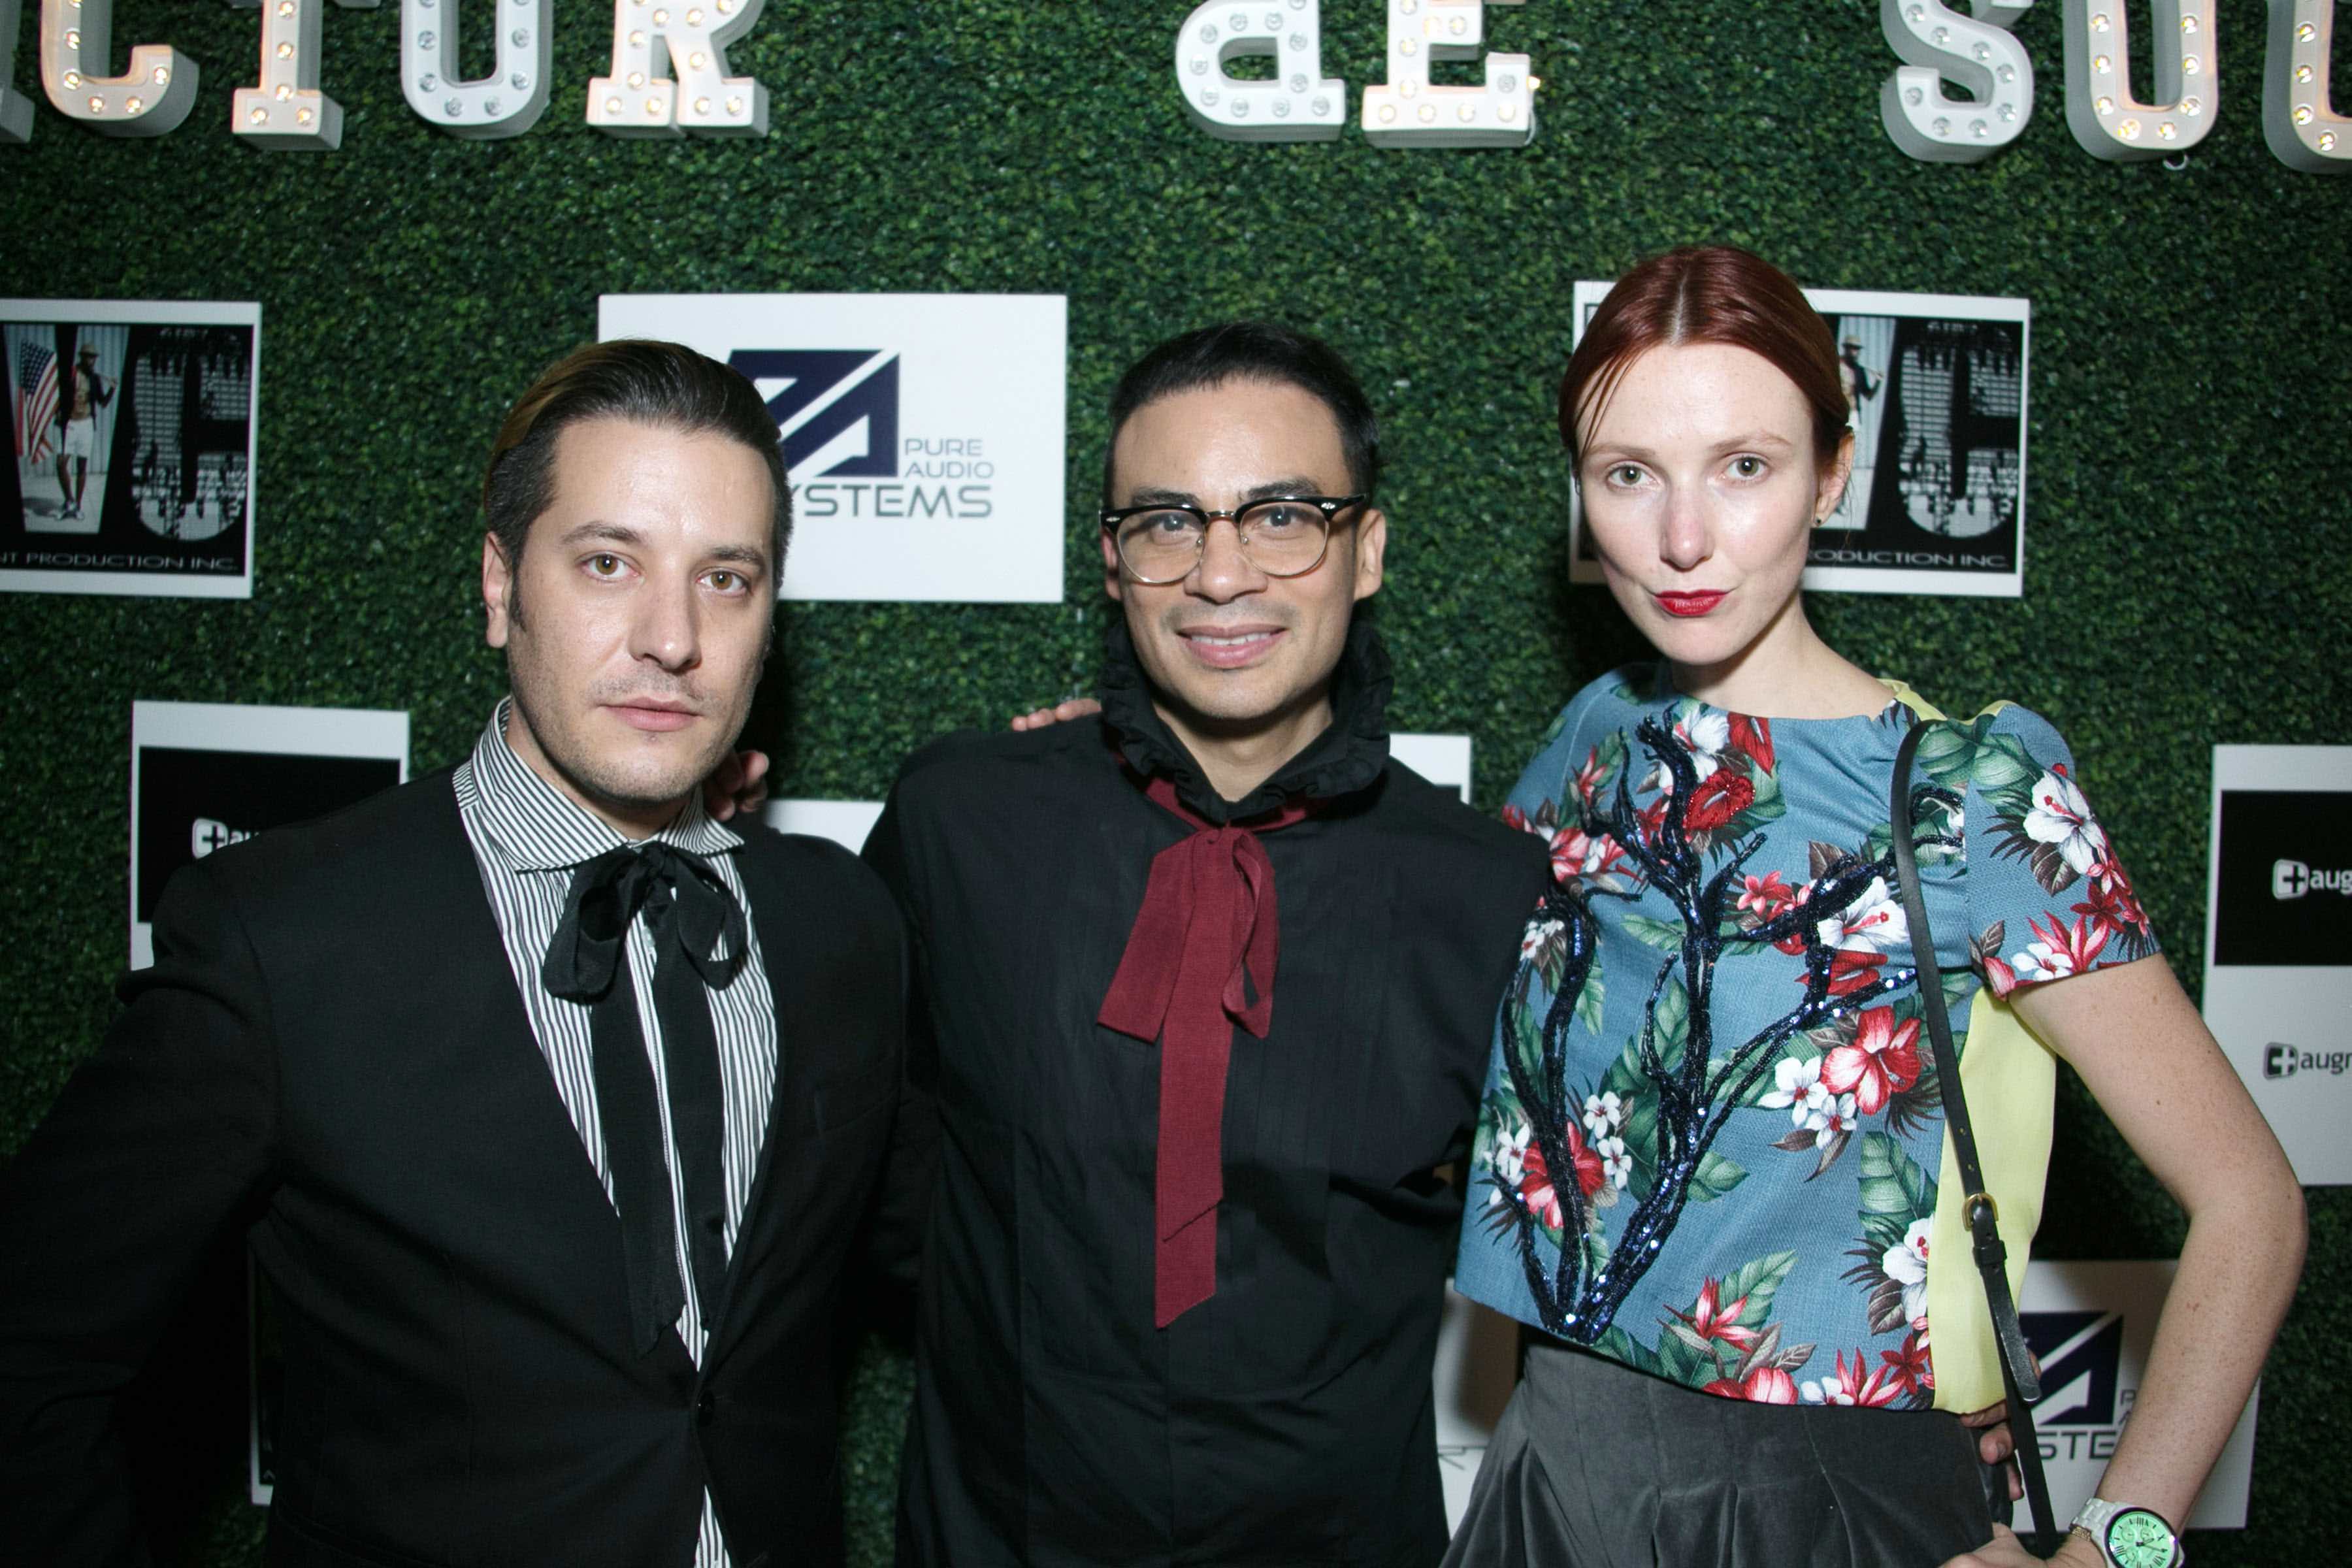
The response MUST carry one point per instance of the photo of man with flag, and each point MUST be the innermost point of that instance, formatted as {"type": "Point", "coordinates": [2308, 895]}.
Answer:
{"type": "Point", "coordinates": [132, 423]}
{"type": "Point", "coordinates": [87, 391]}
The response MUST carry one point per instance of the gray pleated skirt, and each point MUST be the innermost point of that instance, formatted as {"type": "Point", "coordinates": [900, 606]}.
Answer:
{"type": "Point", "coordinates": [1596, 1466]}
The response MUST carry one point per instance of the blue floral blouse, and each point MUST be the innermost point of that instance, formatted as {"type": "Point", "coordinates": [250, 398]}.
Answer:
{"type": "Point", "coordinates": [1709, 1071]}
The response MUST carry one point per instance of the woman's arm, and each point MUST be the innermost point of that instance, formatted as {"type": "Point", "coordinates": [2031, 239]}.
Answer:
{"type": "Point", "coordinates": [2161, 1078]}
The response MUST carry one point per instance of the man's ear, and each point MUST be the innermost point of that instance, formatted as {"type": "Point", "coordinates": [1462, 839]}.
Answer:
{"type": "Point", "coordinates": [1833, 482]}
{"type": "Point", "coordinates": [497, 593]}
{"type": "Point", "coordinates": [1111, 584]}
{"type": "Point", "coordinates": [1371, 549]}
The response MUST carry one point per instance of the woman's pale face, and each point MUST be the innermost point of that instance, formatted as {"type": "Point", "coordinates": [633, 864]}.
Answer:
{"type": "Point", "coordinates": [1701, 491]}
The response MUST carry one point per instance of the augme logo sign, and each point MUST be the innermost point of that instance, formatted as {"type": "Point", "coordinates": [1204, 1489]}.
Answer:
{"type": "Point", "coordinates": [2281, 1060]}
{"type": "Point", "coordinates": [205, 836]}
{"type": "Point", "coordinates": [2293, 880]}
{"type": "Point", "coordinates": [922, 432]}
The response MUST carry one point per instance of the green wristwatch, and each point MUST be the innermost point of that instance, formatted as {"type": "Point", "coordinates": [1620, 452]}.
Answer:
{"type": "Point", "coordinates": [2130, 1537]}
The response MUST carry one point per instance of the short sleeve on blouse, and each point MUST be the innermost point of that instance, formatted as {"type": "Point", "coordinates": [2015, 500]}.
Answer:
{"type": "Point", "coordinates": [1546, 796]}
{"type": "Point", "coordinates": [2047, 895]}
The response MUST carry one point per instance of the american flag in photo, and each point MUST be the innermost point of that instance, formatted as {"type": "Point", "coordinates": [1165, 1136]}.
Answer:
{"type": "Point", "coordinates": [37, 400]}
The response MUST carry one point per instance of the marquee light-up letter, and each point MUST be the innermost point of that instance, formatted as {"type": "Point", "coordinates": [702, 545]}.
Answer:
{"type": "Point", "coordinates": [149, 100]}
{"type": "Point", "coordinates": [1300, 104]}
{"type": "Point", "coordinates": [506, 102]}
{"type": "Point", "coordinates": [1978, 53]}
{"type": "Point", "coordinates": [2304, 129]}
{"type": "Point", "coordinates": [15, 108]}
{"type": "Point", "coordinates": [1406, 111]}
{"type": "Point", "coordinates": [649, 36]}
{"type": "Point", "coordinates": [287, 113]}
{"type": "Point", "coordinates": [2100, 109]}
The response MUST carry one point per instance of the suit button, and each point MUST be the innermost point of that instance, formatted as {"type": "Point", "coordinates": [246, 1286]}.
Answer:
{"type": "Point", "coordinates": [705, 1408]}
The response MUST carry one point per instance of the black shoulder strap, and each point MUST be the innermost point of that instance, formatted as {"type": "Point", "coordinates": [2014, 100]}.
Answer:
{"type": "Point", "coordinates": [2019, 1378]}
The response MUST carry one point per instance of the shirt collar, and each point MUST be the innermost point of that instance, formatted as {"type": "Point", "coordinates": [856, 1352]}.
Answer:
{"type": "Point", "coordinates": [534, 827]}
{"type": "Point", "coordinates": [1348, 755]}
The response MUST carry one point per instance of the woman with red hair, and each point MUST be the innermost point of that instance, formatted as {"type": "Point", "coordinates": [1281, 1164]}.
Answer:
{"type": "Point", "coordinates": [1711, 1169]}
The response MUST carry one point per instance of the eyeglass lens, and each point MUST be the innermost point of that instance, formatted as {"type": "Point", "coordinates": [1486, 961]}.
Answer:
{"type": "Point", "coordinates": [1280, 538]}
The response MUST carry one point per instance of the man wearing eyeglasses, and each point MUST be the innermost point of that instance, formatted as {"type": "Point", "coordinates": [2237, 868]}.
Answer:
{"type": "Point", "coordinates": [1208, 981]}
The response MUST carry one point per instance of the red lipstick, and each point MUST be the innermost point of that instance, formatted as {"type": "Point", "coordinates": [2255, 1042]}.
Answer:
{"type": "Point", "coordinates": [1690, 603]}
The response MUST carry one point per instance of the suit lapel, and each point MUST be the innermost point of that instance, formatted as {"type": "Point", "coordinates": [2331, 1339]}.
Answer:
{"type": "Point", "coordinates": [537, 1133]}
{"type": "Point", "coordinates": [450, 882]}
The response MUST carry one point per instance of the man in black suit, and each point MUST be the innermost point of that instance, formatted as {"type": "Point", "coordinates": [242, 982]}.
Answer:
{"type": "Point", "coordinates": [1207, 988]}
{"type": "Point", "coordinates": [552, 1107]}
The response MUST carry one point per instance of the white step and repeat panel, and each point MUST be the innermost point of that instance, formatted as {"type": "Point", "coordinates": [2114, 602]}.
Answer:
{"type": "Point", "coordinates": [923, 433]}
{"type": "Point", "coordinates": [1477, 1366]}
{"type": "Point", "coordinates": [2278, 942]}
{"type": "Point", "coordinates": [136, 423]}
{"type": "Point", "coordinates": [845, 822]}
{"type": "Point", "coordinates": [206, 774]}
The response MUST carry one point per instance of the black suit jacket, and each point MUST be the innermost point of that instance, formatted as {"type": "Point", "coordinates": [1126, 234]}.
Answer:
{"type": "Point", "coordinates": [331, 1050]}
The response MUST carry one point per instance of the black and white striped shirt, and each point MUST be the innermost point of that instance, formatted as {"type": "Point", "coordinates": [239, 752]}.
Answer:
{"type": "Point", "coordinates": [527, 838]}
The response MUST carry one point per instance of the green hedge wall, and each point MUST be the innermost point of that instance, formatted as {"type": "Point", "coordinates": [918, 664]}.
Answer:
{"type": "Point", "coordinates": [2186, 578]}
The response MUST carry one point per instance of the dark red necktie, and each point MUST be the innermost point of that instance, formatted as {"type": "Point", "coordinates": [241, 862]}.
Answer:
{"type": "Point", "coordinates": [1207, 937]}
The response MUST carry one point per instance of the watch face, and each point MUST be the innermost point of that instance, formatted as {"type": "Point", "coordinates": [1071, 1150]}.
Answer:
{"type": "Point", "coordinates": [2138, 1539]}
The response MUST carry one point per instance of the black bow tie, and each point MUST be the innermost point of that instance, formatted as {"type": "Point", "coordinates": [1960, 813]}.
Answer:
{"type": "Point", "coordinates": [607, 894]}
{"type": "Point", "coordinates": [700, 940]}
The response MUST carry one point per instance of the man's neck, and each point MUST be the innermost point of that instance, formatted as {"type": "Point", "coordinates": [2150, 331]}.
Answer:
{"type": "Point", "coordinates": [1237, 758]}
{"type": "Point", "coordinates": [627, 818]}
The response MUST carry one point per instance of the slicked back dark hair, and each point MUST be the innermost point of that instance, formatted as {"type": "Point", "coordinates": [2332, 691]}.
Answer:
{"type": "Point", "coordinates": [1253, 350]}
{"type": "Point", "coordinates": [668, 386]}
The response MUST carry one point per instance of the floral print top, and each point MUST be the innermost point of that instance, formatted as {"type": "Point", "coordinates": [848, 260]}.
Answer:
{"type": "Point", "coordinates": [1711, 1136]}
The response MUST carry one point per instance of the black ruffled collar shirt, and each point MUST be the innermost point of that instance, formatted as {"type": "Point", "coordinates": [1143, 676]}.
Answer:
{"type": "Point", "coordinates": [1287, 1417]}
{"type": "Point", "coordinates": [1346, 757]}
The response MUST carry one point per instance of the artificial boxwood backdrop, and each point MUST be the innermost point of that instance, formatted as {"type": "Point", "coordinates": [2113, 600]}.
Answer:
{"type": "Point", "coordinates": [2187, 580]}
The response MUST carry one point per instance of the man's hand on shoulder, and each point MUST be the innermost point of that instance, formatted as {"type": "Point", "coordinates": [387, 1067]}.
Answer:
{"type": "Point", "coordinates": [1060, 713]}
{"type": "Point", "coordinates": [740, 783]}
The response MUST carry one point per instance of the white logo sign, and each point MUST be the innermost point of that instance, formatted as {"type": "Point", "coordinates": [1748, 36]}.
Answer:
{"type": "Point", "coordinates": [207, 835]}
{"type": "Point", "coordinates": [2293, 880]}
{"type": "Point", "coordinates": [845, 822]}
{"type": "Point", "coordinates": [1477, 1366]}
{"type": "Point", "coordinates": [1443, 759]}
{"type": "Point", "coordinates": [205, 776]}
{"type": "Point", "coordinates": [923, 433]}
{"type": "Point", "coordinates": [2278, 942]}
